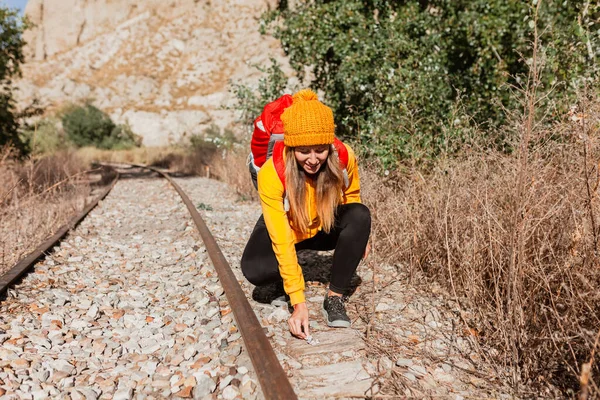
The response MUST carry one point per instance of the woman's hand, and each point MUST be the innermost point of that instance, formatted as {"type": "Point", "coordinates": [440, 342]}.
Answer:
{"type": "Point", "coordinates": [298, 322]}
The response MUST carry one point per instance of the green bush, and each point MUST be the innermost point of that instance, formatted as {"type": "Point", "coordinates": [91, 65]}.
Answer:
{"type": "Point", "coordinates": [250, 102]}
{"type": "Point", "coordinates": [121, 138]}
{"type": "Point", "coordinates": [212, 140]}
{"type": "Point", "coordinates": [88, 126]}
{"type": "Point", "coordinates": [44, 136]}
{"type": "Point", "coordinates": [397, 72]}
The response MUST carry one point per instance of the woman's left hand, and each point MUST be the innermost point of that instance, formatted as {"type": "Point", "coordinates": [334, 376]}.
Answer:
{"type": "Point", "coordinates": [298, 322]}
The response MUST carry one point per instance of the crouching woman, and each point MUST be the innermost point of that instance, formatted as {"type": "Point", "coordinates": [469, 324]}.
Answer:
{"type": "Point", "coordinates": [309, 201]}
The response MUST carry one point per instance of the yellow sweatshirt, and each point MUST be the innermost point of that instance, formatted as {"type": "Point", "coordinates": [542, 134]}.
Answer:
{"type": "Point", "coordinates": [283, 235]}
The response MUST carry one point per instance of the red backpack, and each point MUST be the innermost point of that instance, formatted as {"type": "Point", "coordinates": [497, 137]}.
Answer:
{"type": "Point", "coordinates": [267, 141]}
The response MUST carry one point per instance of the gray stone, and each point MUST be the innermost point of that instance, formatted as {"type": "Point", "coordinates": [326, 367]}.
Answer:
{"type": "Point", "coordinates": [63, 366]}
{"type": "Point", "coordinates": [47, 319]}
{"type": "Point", "coordinates": [40, 395]}
{"type": "Point", "coordinates": [123, 394]}
{"type": "Point", "coordinates": [230, 393]}
{"type": "Point", "coordinates": [6, 354]}
{"type": "Point", "coordinates": [441, 376]}
{"type": "Point", "coordinates": [280, 314]}
{"type": "Point", "coordinates": [386, 363]}
{"type": "Point", "coordinates": [79, 324]}
{"type": "Point", "coordinates": [189, 352]}
{"type": "Point", "coordinates": [41, 376]}
{"type": "Point", "coordinates": [418, 370]}
{"type": "Point", "coordinates": [93, 312]}
{"type": "Point", "coordinates": [204, 385]}
{"type": "Point", "coordinates": [404, 362]}
{"type": "Point", "coordinates": [225, 382]}
{"type": "Point", "coordinates": [410, 376]}
{"type": "Point", "coordinates": [433, 324]}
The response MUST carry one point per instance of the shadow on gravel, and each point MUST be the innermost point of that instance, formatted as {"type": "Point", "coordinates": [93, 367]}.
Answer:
{"type": "Point", "coordinates": [137, 173]}
{"type": "Point", "coordinates": [267, 293]}
{"type": "Point", "coordinates": [184, 175]}
{"type": "Point", "coordinates": [104, 176]}
{"type": "Point", "coordinates": [316, 266]}
{"type": "Point", "coordinates": [108, 173]}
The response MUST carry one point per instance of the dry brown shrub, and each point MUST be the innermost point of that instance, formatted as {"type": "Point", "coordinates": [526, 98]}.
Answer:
{"type": "Point", "coordinates": [226, 165]}
{"type": "Point", "coordinates": [136, 155]}
{"type": "Point", "coordinates": [231, 167]}
{"type": "Point", "coordinates": [519, 243]}
{"type": "Point", "coordinates": [37, 196]}
{"type": "Point", "coordinates": [516, 236]}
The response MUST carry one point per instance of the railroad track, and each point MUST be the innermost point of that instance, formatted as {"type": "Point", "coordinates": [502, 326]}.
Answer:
{"type": "Point", "coordinates": [129, 307]}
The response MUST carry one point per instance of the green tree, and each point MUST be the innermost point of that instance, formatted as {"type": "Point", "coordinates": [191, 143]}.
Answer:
{"type": "Point", "coordinates": [396, 72]}
{"type": "Point", "coordinates": [11, 58]}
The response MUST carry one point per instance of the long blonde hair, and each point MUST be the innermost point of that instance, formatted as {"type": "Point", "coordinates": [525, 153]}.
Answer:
{"type": "Point", "coordinates": [329, 184]}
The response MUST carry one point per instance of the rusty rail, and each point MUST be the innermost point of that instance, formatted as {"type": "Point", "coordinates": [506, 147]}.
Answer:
{"type": "Point", "coordinates": [272, 378]}
{"type": "Point", "coordinates": [26, 263]}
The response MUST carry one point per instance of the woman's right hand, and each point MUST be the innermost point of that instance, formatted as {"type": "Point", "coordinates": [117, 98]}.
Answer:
{"type": "Point", "coordinates": [298, 322]}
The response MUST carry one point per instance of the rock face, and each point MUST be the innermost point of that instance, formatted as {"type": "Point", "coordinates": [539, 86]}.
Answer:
{"type": "Point", "coordinates": [162, 66]}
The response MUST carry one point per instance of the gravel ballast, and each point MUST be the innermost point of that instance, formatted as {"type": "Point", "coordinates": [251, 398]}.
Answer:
{"type": "Point", "coordinates": [128, 306]}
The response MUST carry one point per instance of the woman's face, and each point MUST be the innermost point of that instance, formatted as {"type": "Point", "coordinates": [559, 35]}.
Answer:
{"type": "Point", "coordinates": [311, 158]}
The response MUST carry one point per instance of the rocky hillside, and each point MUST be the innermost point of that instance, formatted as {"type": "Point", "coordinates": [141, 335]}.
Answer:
{"type": "Point", "coordinates": [161, 66]}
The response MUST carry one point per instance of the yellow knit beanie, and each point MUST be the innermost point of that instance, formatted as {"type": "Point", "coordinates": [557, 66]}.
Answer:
{"type": "Point", "coordinates": [307, 122]}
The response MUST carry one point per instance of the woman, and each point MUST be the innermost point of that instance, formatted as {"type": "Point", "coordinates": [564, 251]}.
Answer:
{"type": "Point", "coordinates": [324, 213]}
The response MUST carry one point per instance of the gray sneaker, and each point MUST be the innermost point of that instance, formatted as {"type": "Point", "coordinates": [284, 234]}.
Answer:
{"type": "Point", "coordinates": [334, 312]}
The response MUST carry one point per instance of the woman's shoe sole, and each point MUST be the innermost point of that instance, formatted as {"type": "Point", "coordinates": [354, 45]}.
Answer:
{"type": "Point", "coordinates": [334, 324]}
{"type": "Point", "coordinates": [279, 302]}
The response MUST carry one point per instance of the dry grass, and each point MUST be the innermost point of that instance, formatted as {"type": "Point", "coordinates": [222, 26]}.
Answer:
{"type": "Point", "coordinates": [517, 236]}
{"type": "Point", "coordinates": [37, 196]}
{"type": "Point", "coordinates": [226, 165]}
{"type": "Point", "coordinates": [519, 242]}
{"type": "Point", "coordinates": [231, 167]}
{"type": "Point", "coordinates": [137, 155]}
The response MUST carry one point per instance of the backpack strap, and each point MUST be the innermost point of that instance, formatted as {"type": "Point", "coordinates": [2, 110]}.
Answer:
{"type": "Point", "coordinates": [278, 161]}
{"type": "Point", "coordinates": [342, 154]}
{"type": "Point", "coordinates": [279, 164]}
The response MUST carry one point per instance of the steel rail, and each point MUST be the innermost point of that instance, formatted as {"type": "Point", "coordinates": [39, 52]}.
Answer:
{"type": "Point", "coordinates": [26, 263]}
{"type": "Point", "coordinates": [272, 377]}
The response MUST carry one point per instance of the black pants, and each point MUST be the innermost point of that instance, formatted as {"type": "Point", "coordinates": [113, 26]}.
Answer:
{"type": "Point", "coordinates": [348, 237]}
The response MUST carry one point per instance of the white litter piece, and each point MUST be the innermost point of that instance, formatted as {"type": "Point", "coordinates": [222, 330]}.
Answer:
{"type": "Point", "coordinates": [311, 340]}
